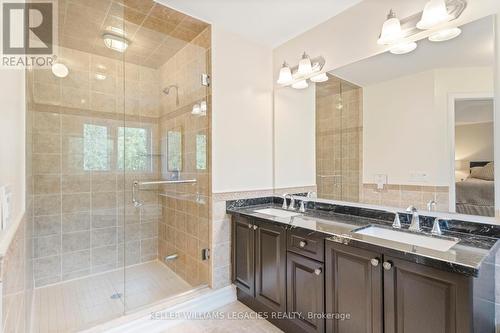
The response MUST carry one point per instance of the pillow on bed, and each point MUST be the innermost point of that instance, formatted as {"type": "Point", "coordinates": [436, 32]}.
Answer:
{"type": "Point", "coordinates": [485, 173]}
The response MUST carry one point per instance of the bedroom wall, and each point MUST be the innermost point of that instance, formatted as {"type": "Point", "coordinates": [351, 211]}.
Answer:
{"type": "Point", "coordinates": [474, 142]}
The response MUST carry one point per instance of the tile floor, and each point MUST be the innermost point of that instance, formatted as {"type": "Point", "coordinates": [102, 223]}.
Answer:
{"type": "Point", "coordinates": [79, 304]}
{"type": "Point", "coordinates": [227, 325]}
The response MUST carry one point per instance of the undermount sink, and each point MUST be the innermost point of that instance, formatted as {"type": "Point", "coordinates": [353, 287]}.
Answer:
{"type": "Point", "coordinates": [276, 212]}
{"type": "Point", "coordinates": [433, 243]}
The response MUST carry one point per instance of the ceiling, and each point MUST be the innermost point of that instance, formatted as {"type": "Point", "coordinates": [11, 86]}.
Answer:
{"type": "Point", "coordinates": [474, 47]}
{"type": "Point", "coordinates": [474, 111]}
{"type": "Point", "coordinates": [270, 22]}
{"type": "Point", "coordinates": [155, 31]}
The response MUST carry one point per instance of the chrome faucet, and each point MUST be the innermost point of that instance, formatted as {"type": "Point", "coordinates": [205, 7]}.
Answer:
{"type": "Point", "coordinates": [431, 205]}
{"type": "Point", "coordinates": [397, 223]}
{"type": "Point", "coordinates": [415, 219]}
{"type": "Point", "coordinates": [436, 229]}
{"type": "Point", "coordinates": [302, 208]}
{"type": "Point", "coordinates": [292, 202]}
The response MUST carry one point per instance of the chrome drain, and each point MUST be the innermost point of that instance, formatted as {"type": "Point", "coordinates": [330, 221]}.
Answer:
{"type": "Point", "coordinates": [116, 296]}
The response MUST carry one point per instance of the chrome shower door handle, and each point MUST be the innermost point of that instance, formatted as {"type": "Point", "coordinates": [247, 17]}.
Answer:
{"type": "Point", "coordinates": [135, 200]}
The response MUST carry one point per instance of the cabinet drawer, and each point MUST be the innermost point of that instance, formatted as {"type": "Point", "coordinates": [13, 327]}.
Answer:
{"type": "Point", "coordinates": [307, 243]}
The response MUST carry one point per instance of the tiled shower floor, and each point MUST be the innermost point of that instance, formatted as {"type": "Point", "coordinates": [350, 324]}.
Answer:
{"type": "Point", "coordinates": [79, 304]}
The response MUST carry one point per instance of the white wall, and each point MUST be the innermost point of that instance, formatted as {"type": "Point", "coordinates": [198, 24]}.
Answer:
{"type": "Point", "coordinates": [497, 111]}
{"type": "Point", "coordinates": [474, 142]}
{"type": "Point", "coordinates": [12, 137]}
{"type": "Point", "coordinates": [242, 120]}
{"type": "Point", "coordinates": [405, 124]}
{"type": "Point", "coordinates": [295, 137]}
{"type": "Point", "coordinates": [351, 35]}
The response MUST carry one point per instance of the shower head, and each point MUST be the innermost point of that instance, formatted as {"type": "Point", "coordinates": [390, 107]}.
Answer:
{"type": "Point", "coordinates": [166, 91]}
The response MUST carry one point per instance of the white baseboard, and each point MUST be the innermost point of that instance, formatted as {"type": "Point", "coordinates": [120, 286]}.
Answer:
{"type": "Point", "coordinates": [207, 302]}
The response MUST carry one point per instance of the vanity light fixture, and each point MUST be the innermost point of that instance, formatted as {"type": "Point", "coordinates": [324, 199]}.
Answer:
{"type": "Point", "coordinates": [305, 65]}
{"type": "Point", "coordinates": [300, 84]}
{"type": "Point", "coordinates": [60, 70]}
{"type": "Point", "coordinates": [434, 14]}
{"type": "Point", "coordinates": [320, 78]}
{"type": "Point", "coordinates": [285, 74]}
{"type": "Point", "coordinates": [115, 42]}
{"type": "Point", "coordinates": [391, 30]}
{"type": "Point", "coordinates": [403, 48]}
{"type": "Point", "coordinates": [445, 34]}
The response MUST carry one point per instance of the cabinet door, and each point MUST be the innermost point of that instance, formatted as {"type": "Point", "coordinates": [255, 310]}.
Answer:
{"type": "Point", "coordinates": [270, 265]}
{"type": "Point", "coordinates": [419, 299]}
{"type": "Point", "coordinates": [243, 255]}
{"type": "Point", "coordinates": [353, 287]}
{"type": "Point", "coordinates": [305, 292]}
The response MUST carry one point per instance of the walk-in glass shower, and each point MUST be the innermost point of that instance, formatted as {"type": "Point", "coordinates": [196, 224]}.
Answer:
{"type": "Point", "coordinates": [119, 162]}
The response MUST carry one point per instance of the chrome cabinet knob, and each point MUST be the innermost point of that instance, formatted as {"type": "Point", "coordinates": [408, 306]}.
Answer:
{"type": "Point", "coordinates": [302, 244]}
{"type": "Point", "coordinates": [375, 262]}
{"type": "Point", "coordinates": [318, 271]}
{"type": "Point", "coordinates": [250, 226]}
{"type": "Point", "coordinates": [387, 265]}
{"type": "Point", "coordinates": [255, 227]}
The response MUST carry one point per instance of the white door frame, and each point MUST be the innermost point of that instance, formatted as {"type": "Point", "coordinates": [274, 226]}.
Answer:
{"type": "Point", "coordinates": [452, 98]}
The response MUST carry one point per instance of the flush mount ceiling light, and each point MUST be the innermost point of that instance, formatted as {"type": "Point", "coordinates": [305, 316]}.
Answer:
{"type": "Point", "coordinates": [305, 65]}
{"type": "Point", "coordinates": [445, 34]}
{"type": "Point", "coordinates": [60, 70]}
{"type": "Point", "coordinates": [403, 48]}
{"type": "Point", "coordinates": [391, 30]}
{"type": "Point", "coordinates": [285, 74]}
{"type": "Point", "coordinates": [320, 78]}
{"type": "Point", "coordinates": [115, 42]}
{"type": "Point", "coordinates": [300, 85]}
{"type": "Point", "coordinates": [434, 14]}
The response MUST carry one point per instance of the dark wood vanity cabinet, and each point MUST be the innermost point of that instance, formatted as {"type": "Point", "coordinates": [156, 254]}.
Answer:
{"type": "Point", "coordinates": [418, 298]}
{"type": "Point", "coordinates": [305, 292]}
{"type": "Point", "coordinates": [270, 265]}
{"type": "Point", "coordinates": [259, 261]}
{"type": "Point", "coordinates": [353, 288]}
{"type": "Point", "coordinates": [243, 255]}
{"type": "Point", "coordinates": [276, 270]}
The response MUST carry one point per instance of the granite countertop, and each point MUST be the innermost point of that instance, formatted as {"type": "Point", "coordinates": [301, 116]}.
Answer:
{"type": "Point", "coordinates": [465, 257]}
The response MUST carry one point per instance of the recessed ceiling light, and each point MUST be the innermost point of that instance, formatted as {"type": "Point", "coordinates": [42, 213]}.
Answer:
{"type": "Point", "coordinates": [403, 48]}
{"type": "Point", "coordinates": [60, 70]}
{"type": "Point", "coordinates": [115, 42]}
{"type": "Point", "coordinates": [445, 34]}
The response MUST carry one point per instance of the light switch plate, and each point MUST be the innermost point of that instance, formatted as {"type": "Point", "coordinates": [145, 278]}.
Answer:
{"type": "Point", "coordinates": [5, 206]}
{"type": "Point", "coordinates": [380, 180]}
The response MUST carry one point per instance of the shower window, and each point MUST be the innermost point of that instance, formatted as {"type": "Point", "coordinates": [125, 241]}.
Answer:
{"type": "Point", "coordinates": [174, 151]}
{"type": "Point", "coordinates": [136, 156]}
{"type": "Point", "coordinates": [95, 148]}
{"type": "Point", "coordinates": [201, 152]}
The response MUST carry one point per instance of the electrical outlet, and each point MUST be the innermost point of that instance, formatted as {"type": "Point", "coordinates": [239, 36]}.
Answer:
{"type": "Point", "coordinates": [5, 206]}
{"type": "Point", "coordinates": [380, 180]}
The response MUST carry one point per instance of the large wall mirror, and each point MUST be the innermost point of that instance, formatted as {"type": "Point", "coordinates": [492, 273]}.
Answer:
{"type": "Point", "coordinates": [397, 130]}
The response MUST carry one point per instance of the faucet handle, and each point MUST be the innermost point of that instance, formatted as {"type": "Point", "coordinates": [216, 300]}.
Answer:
{"type": "Point", "coordinates": [431, 205]}
{"type": "Point", "coordinates": [411, 209]}
{"type": "Point", "coordinates": [284, 206]}
{"type": "Point", "coordinates": [302, 208]}
{"type": "Point", "coordinates": [397, 222]}
{"type": "Point", "coordinates": [436, 228]}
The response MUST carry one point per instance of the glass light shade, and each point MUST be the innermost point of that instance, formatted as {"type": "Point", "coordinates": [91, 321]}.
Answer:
{"type": "Point", "coordinates": [434, 13]}
{"type": "Point", "coordinates": [285, 74]}
{"type": "Point", "coordinates": [403, 48]}
{"type": "Point", "coordinates": [203, 107]}
{"type": "Point", "coordinates": [60, 70]}
{"type": "Point", "coordinates": [196, 110]}
{"type": "Point", "coordinates": [391, 30]}
{"type": "Point", "coordinates": [305, 66]}
{"type": "Point", "coordinates": [116, 43]}
{"type": "Point", "coordinates": [100, 76]}
{"type": "Point", "coordinates": [445, 34]}
{"type": "Point", "coordinates": [300, 85]}
{"type": "Point", "coordinates": [320, 78]}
